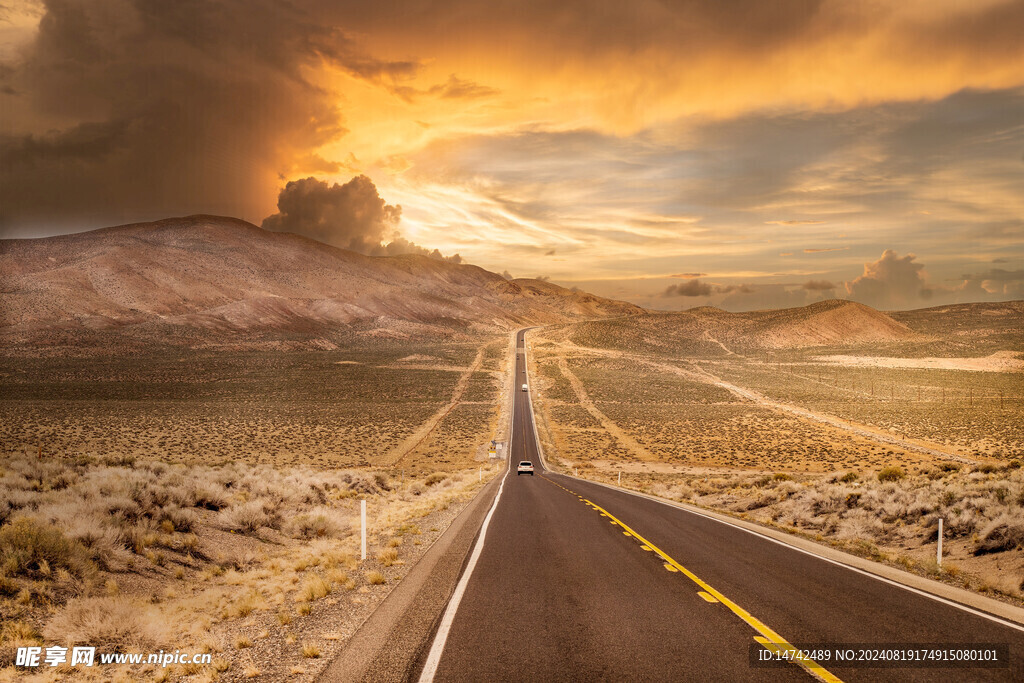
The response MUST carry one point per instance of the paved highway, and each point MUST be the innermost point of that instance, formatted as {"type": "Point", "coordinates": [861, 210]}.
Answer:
{"type": "Point", "coordinates": [570, 580]}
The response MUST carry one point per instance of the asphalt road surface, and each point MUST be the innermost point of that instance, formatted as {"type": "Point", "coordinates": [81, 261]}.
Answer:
{"type": "Point", "coordinates": [576, 581]}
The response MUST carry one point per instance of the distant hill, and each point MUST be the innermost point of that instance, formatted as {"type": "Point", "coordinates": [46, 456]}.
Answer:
{"type": "Point", "coordinates": [208, 276]}
{"type": "Point", "coordinates": [710, 332]}
{"type": "Point", "coordinates": [824, 323]}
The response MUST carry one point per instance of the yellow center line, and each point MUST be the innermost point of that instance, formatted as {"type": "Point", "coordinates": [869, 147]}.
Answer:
{"type": "Point", "coordinates": [768, 639]}
{"type": "Point", "coordinates": [778, 642]}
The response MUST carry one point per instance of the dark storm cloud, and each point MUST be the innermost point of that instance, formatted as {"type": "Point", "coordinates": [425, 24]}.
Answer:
{"type": "Point", "coordinates": [992, 31]}
{"type": "Point", "coordinates": [584, 27]}
{"type": "Point", "coordinates": [351, 216]}
{"type": "Point", "coordinates": [157, 108]}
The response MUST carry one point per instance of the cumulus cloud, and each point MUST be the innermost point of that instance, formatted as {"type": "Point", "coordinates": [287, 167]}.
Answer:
{"type": "Point", "coordinates": [351, 216]}
{"type": "Point", "coordinates": [818, 285]}
{"type": "Point", "coordinates": [996, 282]}
{"type": "Point", "coordinates": [891, 282]}
{"type": "Point", "coordinates": [690, 288]}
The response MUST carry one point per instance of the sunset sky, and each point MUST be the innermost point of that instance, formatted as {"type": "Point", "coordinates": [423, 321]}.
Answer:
{"type": "Point", "coordinates": [675, 154]}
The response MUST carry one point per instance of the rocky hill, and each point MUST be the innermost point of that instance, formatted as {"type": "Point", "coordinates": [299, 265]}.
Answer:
{"type": "Point", "coordinates": [203, 277]}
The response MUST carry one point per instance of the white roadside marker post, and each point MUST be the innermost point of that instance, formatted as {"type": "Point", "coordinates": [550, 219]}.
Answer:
{"type": "Point", "coordinates": [362, 525]}
{"type": "Point", "coordinates": [938, 552]}
{"type": "Point", "coordinates": [480, 474]}
{"type": "Point", "coordinates": [620, 477]}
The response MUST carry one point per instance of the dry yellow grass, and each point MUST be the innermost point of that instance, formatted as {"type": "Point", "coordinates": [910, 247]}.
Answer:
{"type": "Point", "coordinates": [219, 578]}
{"type": "Point", "coordinates": [313, 588]}
{"type": "Point", "coordinates": [387, 557]}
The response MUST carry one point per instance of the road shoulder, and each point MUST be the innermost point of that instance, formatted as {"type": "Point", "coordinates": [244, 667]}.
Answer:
{"type": "Point", "coordinates": [389, 643]}
{"type": "Point", "coordinates": [929, 587]}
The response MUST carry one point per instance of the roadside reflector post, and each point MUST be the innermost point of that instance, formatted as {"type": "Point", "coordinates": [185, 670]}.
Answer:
{"type": "Point", "coordinates": [620, 477]}
{"type": "Point", "coordinates": [480, 473]}
{"type": "Point", "coordinates": [938, 552]}
{"type": "Point", "coordinates": [362, 525]}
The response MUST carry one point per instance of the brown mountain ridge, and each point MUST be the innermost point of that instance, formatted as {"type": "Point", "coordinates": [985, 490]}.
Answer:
{"type": "Point", "coordinates": [214, 276]}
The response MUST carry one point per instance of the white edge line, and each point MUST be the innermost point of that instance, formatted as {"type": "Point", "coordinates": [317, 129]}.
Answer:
{"type": "Point", "coordinates": [437, 648]}
{"type": "Point", "coordinates": [937, 598]}
{"type": "Point", "coordinates": [918, 591]}
{"type": "Point", "coordinates": [441, 638]}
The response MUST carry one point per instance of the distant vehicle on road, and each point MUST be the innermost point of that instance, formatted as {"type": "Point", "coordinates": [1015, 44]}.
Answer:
{"type": "Point", "coordinates": [525, 467]}
{"type": "Point", "coordinates": [524, 387]}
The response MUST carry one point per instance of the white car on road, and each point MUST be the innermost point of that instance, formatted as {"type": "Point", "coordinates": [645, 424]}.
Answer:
{"type": "Point", "coordinates": [525, 467]}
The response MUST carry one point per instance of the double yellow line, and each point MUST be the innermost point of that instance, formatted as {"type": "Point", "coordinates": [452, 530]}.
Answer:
{"type": "Point", "coordinates": [768, 638]}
